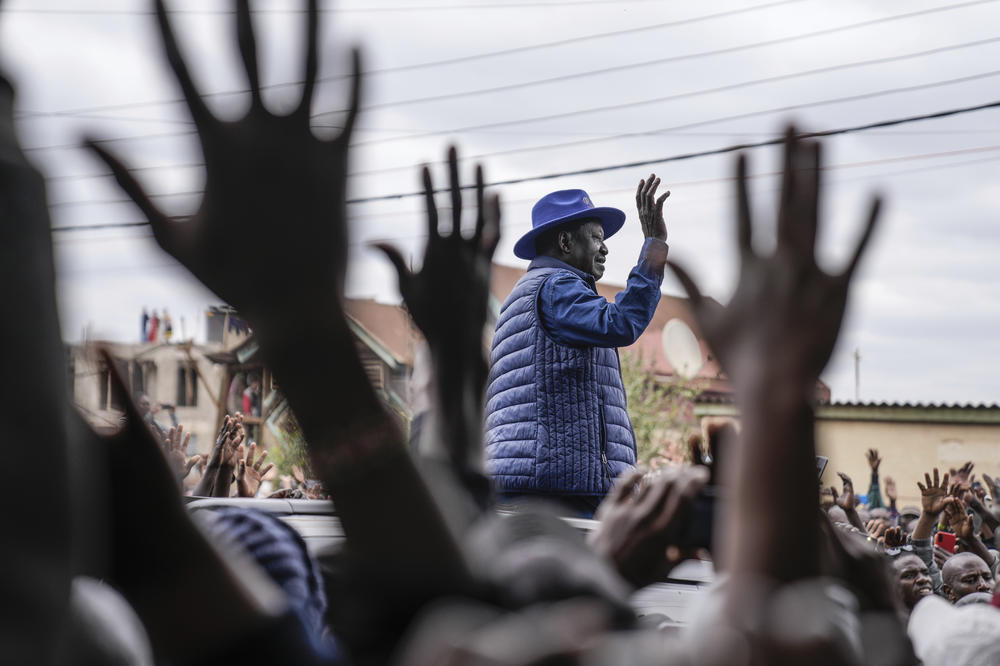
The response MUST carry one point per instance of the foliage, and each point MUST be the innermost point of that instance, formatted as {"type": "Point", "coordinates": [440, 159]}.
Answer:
{"type": "Point", "coordinates": [661, 410]}
{"type": "Point", "coordinates": [291, 449]}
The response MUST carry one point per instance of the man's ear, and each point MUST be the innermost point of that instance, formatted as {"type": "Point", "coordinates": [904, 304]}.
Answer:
{"type": "Point", "coordinates": [564, 241]}
{"type": "Point", "coordinates": [946, 591]}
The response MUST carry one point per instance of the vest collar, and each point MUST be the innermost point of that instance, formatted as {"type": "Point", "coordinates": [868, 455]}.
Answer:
{"type": "Point", "coordinates": [544, 261]}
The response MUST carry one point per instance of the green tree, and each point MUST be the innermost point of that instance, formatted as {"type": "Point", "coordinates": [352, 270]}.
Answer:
{"type": "Point", "coordinates": [291, 449]}
{"type": "Point", "coordinates": [661, 410]}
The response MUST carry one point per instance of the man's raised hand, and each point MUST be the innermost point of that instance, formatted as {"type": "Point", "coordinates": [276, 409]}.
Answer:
{"type": "Point", "coordinates": [963, 476]}
{"type": "Point", "coordinates": [175, 446]}
{"type": "Point", "coordinates": [651, 208]}
{"type": "Point", "coordinates": [222, 461]}
{"type": "Point", "coordinates": [873, 460]}
{"type": "Point", "coordinates": [934, 497]}
{"type": "Point", "coordinates": [249, 472]}
{"type": "Point", "coordinates": [890, 489]}
{"type": "Point", "coordinates": [274, 192]}
{"type": "Point", "coordinates": [895, 537]}
{"type": "Point", "coordinates": [846, 499]}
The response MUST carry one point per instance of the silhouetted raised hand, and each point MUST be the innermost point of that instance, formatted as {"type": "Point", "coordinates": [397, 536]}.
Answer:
{"type": "Point", "coordinates": [786, 308]}
{"type": "Point", "coordinates": [448, 299]}
{"type": "Point", "coordinates": [274, 192]}
{"type": "Point", "coordinates": [774, 338]}
{"type": "Point", "coordinates": [36, 556]}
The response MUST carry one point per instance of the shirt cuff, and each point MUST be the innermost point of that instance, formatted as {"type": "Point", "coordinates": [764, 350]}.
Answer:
{"type": "Point", "coordinates": [653, 259]}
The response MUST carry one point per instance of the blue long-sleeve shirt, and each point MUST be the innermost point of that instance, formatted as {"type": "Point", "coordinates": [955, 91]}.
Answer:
{"type": "Point", "coordinates": [575, 314]}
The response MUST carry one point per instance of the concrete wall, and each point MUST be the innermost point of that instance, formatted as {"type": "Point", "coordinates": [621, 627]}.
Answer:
{"type": "Point", "coordinates": [199, 419]}
{"type": "Point", "coordinates": [910, 440]}
{"type": "Point", "coordinates": [907, 450]}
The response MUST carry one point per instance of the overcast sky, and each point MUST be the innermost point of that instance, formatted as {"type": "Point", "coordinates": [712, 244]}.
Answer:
{"type": "Point", "coordinates": [926, 303]}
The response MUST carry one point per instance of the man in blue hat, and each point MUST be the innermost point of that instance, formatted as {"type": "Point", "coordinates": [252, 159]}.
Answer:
{"type": "Point", "coordinates": [556, 422]}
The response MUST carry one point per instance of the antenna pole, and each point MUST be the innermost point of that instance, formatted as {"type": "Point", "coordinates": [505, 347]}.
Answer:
{"type": "Point", "coordinates": [857, 374]}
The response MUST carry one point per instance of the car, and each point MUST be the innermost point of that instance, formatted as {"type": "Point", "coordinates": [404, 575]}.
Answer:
{"type": "Point", "coordinates": [669, 602]}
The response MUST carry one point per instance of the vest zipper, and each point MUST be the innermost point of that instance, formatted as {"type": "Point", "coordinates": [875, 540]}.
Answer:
{"type": "Point", "coordinates": [605, 466]}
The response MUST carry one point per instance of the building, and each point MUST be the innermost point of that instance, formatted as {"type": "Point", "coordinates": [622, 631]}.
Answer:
{"type": "Point", "coordinates": [184, 386]}
{"type": "Point", "coordinates": [911, 439]}
{"type": "Point", "coordinates": [197, 385]}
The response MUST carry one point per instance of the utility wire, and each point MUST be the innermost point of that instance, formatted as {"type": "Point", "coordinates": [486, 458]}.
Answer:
{"type": "Point", "coordinates": [654, 100]}
{"type": "Point", "coordinates": [703, 153]}
{"type": "Point", "coordinates": [460, 59]}
{"type": "Point", "coordinates": [506, 225]}
{"type": "Point", "coordinates": [600, 109]}
{"type": "Point", "coordinates": [201, 165]}
{"type": "Point", "coordinates": [701, 123]}
{"type": "Point", "coordinates": [676, 96]}
{"type": "Point", "coordinates": [631, 165]}
{"type": "Point", "coordinates": [322, 10]}
{"type": "Point", "coordinates": [632, 104]}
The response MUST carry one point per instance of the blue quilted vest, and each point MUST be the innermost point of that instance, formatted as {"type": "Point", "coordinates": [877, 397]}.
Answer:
{"type": "Point", "coordinates": [556, 421]}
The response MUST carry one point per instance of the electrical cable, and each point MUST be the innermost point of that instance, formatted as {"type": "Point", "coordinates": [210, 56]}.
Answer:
{"type": "Point", "coordinates": [629, 165]}
{"type": "Point", "coordinates": [578, 142]}
{"type": "Point", "coordinates": [880, 175]}
{"type": "Point", "coordinates": [654, 100]}
{"type": "Point", "coordinates": [704, 153]}
{"type": "Point", "coordinates": [322, 10]}
{"type": "Point", "coordinates": [461, 59]}
{"type": "Point", "coordinates": [699, 123]}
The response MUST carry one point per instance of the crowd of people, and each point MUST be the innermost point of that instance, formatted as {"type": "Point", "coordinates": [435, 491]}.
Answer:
{"type": "Point", "coordinates": [106, 566]}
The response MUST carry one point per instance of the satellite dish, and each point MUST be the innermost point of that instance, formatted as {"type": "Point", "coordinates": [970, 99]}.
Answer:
{"type": "Point", "coordinates": [682, 349]}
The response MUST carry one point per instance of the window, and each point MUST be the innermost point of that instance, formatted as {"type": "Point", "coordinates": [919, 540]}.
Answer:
{"type": "Point", "coordinates": [187, 385]}
{"type": "Point", "coordinates": [143, 375]}
{"type": "Point", "coordinates": [108, 398]}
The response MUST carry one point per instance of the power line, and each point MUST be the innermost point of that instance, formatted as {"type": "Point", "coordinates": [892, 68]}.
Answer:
{"type": "Point", "coordinates": [459, 59]}
{"type": "Point", "coordinates": [656, 100]}
{"type": "Point", "coordinates": [201, 165]}
{"type": "Point", "coordinates": [661, 160]}
{"type": "Point", "coordinates": [631, 104]}
{"type": "Point", "coordinates": [635, 134]}
{"type": "Point", "coordinates": [703, 153]}
{"type": "Point", "coordinates": [578, 112]}
{"type": "Point", "coordinates": [114, 139]}
{"type": "Point", "coordinates": [646, 63]}
{"type": "Point", "coordinates": [615, 106]}
{"type": "Point", "coordinates": [507, 225]}
{"type": "Point", "coordinates": [323, 10]}
{"type": "Point", "coordinates": [701, 123]}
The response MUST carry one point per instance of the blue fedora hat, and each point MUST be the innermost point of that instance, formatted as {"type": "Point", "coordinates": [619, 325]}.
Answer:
{"type": "Point", "coordinates": [564, 206]}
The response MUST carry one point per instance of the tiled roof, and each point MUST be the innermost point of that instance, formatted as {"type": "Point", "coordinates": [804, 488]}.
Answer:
{"type": "Point", "coordinates": [914, 405]}
{"type": "Point", "coordinates": [389, 324]}
{"type": "Point", "coordinates": [716, 398]}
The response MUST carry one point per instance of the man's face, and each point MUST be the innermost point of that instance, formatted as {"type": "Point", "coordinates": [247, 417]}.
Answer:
{"type": "Point", "coordinates": [143, 404]}
{"type": "Point", "coordinates": [587, 250]}
{"type": "Point", "coordinates": [970, 574]}
{"type": "Point", "coordinates": [913, 579]}
{"type": "Point", "coordinates": [908, 522]}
